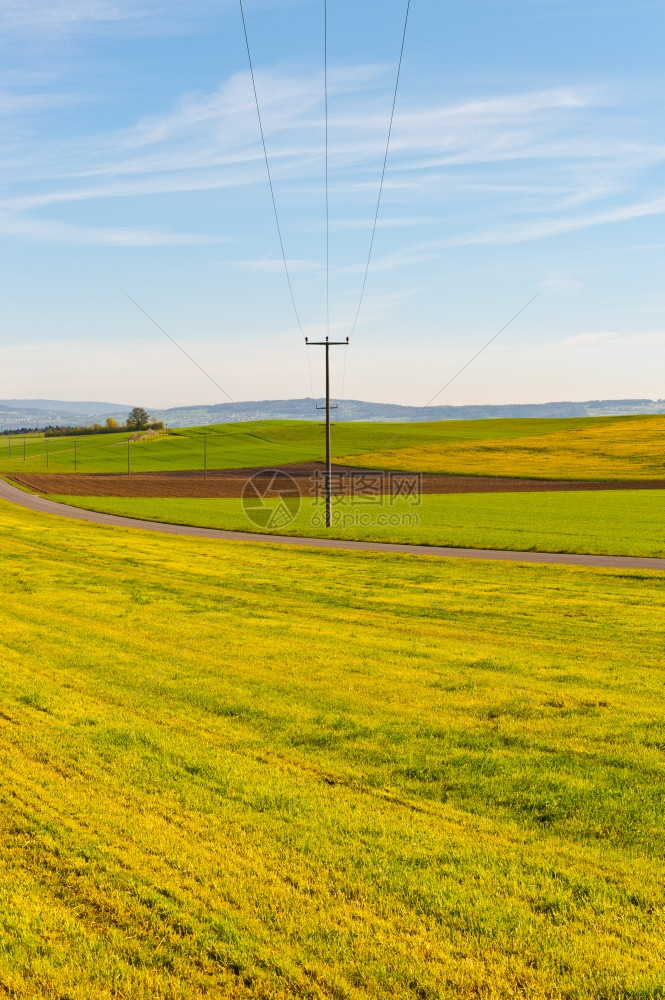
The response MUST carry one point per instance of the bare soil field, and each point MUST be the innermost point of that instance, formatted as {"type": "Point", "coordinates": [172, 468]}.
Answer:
{"type": "Point", "coordinates": [310, 477]}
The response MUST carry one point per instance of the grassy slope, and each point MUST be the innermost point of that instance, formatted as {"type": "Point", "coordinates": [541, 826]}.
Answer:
{"type": "Point", "coordinates": [264, 443]}
{"type": "Point", "coordinates": [243, 772]}
{"type": "Point", "coordinates": [630, 448]}
{"type": "Point", "coordinates": [615, 523]}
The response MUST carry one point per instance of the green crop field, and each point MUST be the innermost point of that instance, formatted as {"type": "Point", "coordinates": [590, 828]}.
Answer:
{"type": "Point", "coordinates": [232, 770]}
{"type": "Point", "coordinates": [280, 442]}
{"type": "Point", "coordinates": [622, 522]}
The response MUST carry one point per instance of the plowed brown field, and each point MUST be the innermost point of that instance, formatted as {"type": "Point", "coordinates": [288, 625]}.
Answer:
{"type": "Point", "coordinates": [310, 479]}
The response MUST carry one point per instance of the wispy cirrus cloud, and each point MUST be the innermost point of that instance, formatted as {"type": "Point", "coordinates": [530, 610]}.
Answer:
{"type": "Point", "coordinates": [585, 338]}
{"type": "Point", "coordinates": [20, 12]}
{"type": "Point", "coordinates": [66, 233]}
{"type": "Point", "coordinates": [12, 103]}
{"type": "Point", "coordinates": [539, 158]}
{"type": "Point", "coordinates": [159, 16]}
{"type": "Point", "coordinates": [611, 339]}
{"type": "Point", "coordinates": [561, 226]}
{"type": "Point", "coordinates": [277, 266]}
{"type": "Point", "coordinates": [208, 131]}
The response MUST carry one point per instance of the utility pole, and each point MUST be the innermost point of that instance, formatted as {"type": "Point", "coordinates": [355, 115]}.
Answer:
{"type": "Point", "coordinates": [128, 465]}
{"type": "Point", "coordinates": [74, 454]}
{"type": "Point", "coordinates": [10, 446]}
{"type": "Point", "coordinates": [205, 455]}
{"type": "Point", "coordinates": [24, 449]}
{"type": "Point", "coordinates": [327, 343]}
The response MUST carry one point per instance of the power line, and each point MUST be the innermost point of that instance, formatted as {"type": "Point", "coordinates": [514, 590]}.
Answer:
{"type": "Point", "coordinates": [311, 380]}
{"type": "Point", "coordinates": [458, 373]}
{"type": "Point", "coordinates": [328, 343]}
{"type": "Point", "coordinates": [327, 169]}
{"type": "Point", "coordinates": [202, 370]}
{"type": "Point", "coordinates": [182, 349]}
{"type": "Point", "coordinates": [341, 399]}
{"type": "Point", "coordinates": [265, 154]}
{"type": "Point", "coordinates": [325, 78]}
{"type": "Point", "coordinates": [383, 173]}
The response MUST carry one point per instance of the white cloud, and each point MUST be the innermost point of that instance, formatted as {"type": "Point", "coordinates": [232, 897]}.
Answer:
{"type": "Point", "coordinates": [63, 13]}
{"type": "Point", "coordinates": [207, 131]}
{"type": "Point", "coordinates": [156, 16]}
{"type": "Point", "coordinates": [61, 232]}
{"type": "Point", "coordinates": [558, 227]}
{"type": "Point", "coordinates": [277, 266]}
{"type": "Point", "coordinates": [347, 225]}
{"type": "Point", "coordinates": [16, 103]}
{"type": "Point", "coordinates": [472, 149]}
{"type": "Point", "coordinates": [561, 283]}
{"type": "Point", "coordinates": [613, 340]}
{"type": "Point", "coordinates": [585, 338]}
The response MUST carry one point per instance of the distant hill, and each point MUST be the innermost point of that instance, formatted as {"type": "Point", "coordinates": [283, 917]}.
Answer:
{"type": "Point", "coordinates": [17, 413]}
{"type": "Point", "coordinates": [354, 409]}
{"type": "Point", "coordinates": [55, 405]}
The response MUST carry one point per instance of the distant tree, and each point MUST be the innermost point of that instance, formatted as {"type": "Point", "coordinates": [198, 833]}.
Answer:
{"type": "Point", "coordinates": [138, 418]}
{"type": "Point", "coordinates": [111, 424]}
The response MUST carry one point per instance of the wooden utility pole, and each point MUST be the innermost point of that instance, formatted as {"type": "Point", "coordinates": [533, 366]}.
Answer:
{"type": "Point", "coordinates": [327, 343]}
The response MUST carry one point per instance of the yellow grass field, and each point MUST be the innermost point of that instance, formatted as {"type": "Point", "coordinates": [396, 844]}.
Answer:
{"type": "Point", "coordinates": [239, 771]}
{"type": "Point", "coordinates": [630, 448]}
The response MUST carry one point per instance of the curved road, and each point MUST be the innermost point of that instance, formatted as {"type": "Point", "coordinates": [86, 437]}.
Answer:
{"type": "Point", "coordinates": [43, 506]}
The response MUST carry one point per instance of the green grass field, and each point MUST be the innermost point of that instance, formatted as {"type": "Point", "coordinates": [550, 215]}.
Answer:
{"type": "Point", "coordinates": [280, 442]}
{"type": "Point", "coordinates": [630, 523]}
{"type": "Point", "coordinates": [239, 771]}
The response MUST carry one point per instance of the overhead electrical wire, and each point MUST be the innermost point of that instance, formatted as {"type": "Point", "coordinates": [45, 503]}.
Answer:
{"type": "Point", "coordinates": [380, 195]}
{"type": "Point", "coordinates": [270, 182]}
{"type": "Point", "coordinates": [457, 374]}
{"type": "Point", "coordinates": [372, 239]}
{"type": "Point", "coordinates": [327, 187]}
{"type": "Point", "coordinates": [325, 82]}
{"type": "Point", "coordinates": [383, 172]}
{"type": "Point", "coordinates": [311, 381]}
{"type": "Point", "coordinates": [341, 396]}
{"type": "Point", "coordinates": [203, 371]}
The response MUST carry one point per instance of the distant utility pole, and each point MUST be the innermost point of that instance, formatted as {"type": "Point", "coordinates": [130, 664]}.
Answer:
{"type": "Point", "coordinates": [74, 454]}
{"type": "Point", "coordinates": [46, 439]}
{"type": "Point", "coordinates": [327, 343]}
{"type": "Point", "coordinates": [128, 461]}
{"type": "Point", "coordinates": [10, 446]}
{"type": "Point", "coordinates": [205, 455]}
{"type": "Point", "coordinates": [24, 449]}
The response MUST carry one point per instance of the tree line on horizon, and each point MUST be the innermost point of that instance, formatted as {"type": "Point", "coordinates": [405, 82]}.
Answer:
{"type": "Point", "coordinates": [138, 419]}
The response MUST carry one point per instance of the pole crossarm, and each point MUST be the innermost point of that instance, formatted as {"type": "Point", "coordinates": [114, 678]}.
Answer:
{"type": "Point", "coordinates": [327, 343]}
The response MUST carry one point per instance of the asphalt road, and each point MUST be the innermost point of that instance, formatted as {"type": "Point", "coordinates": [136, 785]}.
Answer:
{"type": "Point", "coordinates": [43, 506]}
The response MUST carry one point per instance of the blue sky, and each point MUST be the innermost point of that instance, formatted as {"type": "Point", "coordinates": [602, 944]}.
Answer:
{"type": "Point", "coordinates": [527, 156]}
